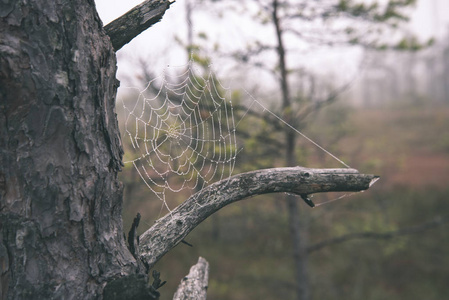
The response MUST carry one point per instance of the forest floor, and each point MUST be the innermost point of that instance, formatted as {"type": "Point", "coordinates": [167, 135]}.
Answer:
{"type": "Point", "coordinates": [411, 144]}
{"type": "Point", "coordinates": [247, 244]}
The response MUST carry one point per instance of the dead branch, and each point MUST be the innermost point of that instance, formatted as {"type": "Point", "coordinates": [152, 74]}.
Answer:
{"type": "Point", "coordinates": [123, 29]}
{"type": "Point", "coordinates": [194, 285]}
{"type": "Point", "coordinates": [168, 231]}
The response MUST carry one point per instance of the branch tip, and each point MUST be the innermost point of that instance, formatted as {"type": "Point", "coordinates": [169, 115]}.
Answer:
{"type": "Point", "coordinates": [123, 29]}
{"type": "Point", "coordinates": [374, 180]}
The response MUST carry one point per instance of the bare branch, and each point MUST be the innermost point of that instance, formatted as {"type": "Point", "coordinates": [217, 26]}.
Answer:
{"type": "Point", "coordinates": [123, 29]}
{"type": "Point", "coordinates": [173, 228]}
{"type": "Point", "coordinates": [317, 105]}
{"type": "Point", "coordinates": [194, 285]}
{"type": "Point", "coordinates": [380, 235]}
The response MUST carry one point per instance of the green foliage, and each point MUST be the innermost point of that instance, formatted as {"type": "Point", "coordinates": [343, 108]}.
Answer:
{"type": "Point", "coordinates": [202, 60]}
{"type": "Point", "coordinates": [202, 35]}
{"type": "Point", "coordinates": [374, 11]}
{"type": "Point", "coordinates": [393, 11]}
{"type": "Point", "coordinates": [343, 5]}
{"type": "Point", "coordinates": [261, 143]}
{"type": "Point", "coordinates": [409, 44]}
{"type": "Point", "coordinates": [384, 17]}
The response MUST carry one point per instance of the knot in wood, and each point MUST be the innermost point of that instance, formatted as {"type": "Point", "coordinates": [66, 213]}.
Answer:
{"type": "Point", "coordinates": [305, 174]}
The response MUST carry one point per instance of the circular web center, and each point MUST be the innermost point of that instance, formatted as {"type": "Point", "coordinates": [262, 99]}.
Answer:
{"type": "Point", "coordinates": [173, 132]}
{"type": "Point", "coordinates": [182, 131]}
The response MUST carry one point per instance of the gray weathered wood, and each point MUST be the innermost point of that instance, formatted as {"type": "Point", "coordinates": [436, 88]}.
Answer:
{"type": "Point", "coordinates": [194, 285]}
{"type": "Point", "coordinates": [123, 29]}
{"type": "Point", "coordinates": [171, 229]}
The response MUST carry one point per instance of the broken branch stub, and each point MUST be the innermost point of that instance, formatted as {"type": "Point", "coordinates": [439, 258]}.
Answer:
{"type": "Point", "coordinates": [123, 29]}
{"type": "Point", "coordinates": [168, 231]}
{"type": "Point", "coordinates": [194, 285]}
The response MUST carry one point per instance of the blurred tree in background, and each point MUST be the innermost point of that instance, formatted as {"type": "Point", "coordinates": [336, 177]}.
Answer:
{"type": "Point", "coordinates": [385, 141]}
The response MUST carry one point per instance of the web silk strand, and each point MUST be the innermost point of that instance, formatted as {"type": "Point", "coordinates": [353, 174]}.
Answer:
{"type": "Point", "coordinates": [294, 129]}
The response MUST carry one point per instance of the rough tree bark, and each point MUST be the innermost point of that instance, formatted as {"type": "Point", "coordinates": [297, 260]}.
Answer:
{"type": "Point", "coordinates": [61, 234]}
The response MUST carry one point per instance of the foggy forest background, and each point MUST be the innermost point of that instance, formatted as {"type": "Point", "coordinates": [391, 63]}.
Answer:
{"type": "Point", "coordinates": [392, 120]}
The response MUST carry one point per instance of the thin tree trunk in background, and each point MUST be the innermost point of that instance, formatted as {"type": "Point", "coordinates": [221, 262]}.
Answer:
{"type": "Point", "coordinates": [298, 232]}
{"type": "Point", "coordinates": [299, 242]}
{"type": "Point", "coordinates": [215, 219]}
{"type": "Point", "coordinates": [446, 75]}
{"type": "Point", "coordinates": [189, 22]}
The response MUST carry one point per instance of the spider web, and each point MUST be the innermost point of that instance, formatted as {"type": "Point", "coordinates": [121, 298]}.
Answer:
{"type": "Point", "coordinates": [182, 131]}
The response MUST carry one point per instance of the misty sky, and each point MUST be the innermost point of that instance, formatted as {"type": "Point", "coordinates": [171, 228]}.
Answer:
{"type": "Point", "coordinates": [430, 19]}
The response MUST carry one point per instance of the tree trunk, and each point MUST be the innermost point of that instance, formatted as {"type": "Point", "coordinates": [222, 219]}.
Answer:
{"type": "Point", "coordinates": [299, 242]}
{"type": "Point", "coordinates": [61, 234]}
